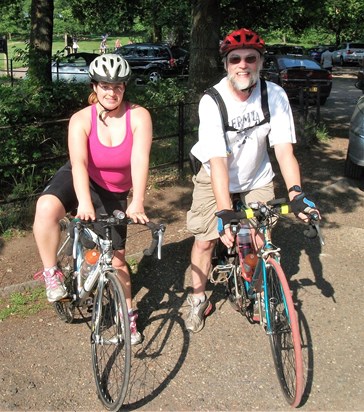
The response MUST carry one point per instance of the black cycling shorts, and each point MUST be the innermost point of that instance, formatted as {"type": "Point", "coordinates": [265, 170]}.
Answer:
{"type": "Point", "coordinates": [61, 186]}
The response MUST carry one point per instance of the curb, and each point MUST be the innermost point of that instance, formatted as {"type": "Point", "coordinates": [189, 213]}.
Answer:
{"type": "Point", "coordinates": [20, 287]}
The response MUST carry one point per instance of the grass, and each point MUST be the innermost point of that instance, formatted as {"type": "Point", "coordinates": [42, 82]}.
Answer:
{"type": "Point", "coordinates": [89, 45]}
{"type": "Point", "coordinates": [322, 133]}
{"type": "Point", "coordinates": [23, 304]}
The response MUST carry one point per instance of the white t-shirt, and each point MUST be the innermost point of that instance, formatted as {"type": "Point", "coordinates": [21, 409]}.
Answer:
{"type": "Point", "coordinates": [326, 59]}
{"type": "Point", "coordinates": [249, 164]}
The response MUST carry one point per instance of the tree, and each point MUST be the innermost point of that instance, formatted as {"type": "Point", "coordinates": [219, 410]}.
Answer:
{"type": "Point", "coordinates": [345, 18]}
{"type": "Point", "coordinates": [205, 35]}
{"type": "Point", "coordinates": [40, 41]}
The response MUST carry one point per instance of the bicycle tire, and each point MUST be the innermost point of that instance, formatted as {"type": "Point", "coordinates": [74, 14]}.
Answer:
{"type": "Point", "coordinates": [110, 343]}
{"type": "Point", "coordinates": [285, 339]}
{"type": "Point", "coordinates": [63, 307]}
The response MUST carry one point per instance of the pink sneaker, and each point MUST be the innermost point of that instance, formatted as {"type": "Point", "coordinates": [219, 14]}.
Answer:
{"type": "Point", "coordinates": [135, 336]}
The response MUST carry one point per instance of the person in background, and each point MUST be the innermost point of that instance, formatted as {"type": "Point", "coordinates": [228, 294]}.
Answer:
{"type": "Point", "coordinates": [246, 171]}
{"type": "Point", "coordinates": [326, 60]}
{"type": "Point", "coordinates": [109, 144]}
{"type": "Point", "coordinates": [103, 46]}
{"type": "Point", "coordinates": [117, 44]}
{"type": "Point", "coordinates": [75, 46]}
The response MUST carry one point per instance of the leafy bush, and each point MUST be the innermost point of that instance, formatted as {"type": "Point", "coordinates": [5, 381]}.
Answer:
{"type": "Point", "coordinates": [30, 133]}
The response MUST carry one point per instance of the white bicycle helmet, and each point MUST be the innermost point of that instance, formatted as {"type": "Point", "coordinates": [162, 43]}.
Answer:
{"type": "Point", "coordinates": [109, 68]}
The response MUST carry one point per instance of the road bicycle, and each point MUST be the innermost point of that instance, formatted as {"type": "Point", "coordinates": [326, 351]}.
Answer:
{"type": "Point", "coordinates": [263, 294]}
{"type": "Point", "coordinates": [100, 291]}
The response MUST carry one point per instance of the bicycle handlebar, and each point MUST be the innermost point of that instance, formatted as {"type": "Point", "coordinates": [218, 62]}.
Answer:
{"type": "Point", "coordinates": [277, 207]}
{"type": "Point", "coordinates": [118, 218]}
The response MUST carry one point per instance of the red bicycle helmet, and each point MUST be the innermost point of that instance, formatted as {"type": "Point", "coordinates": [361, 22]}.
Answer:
{"type": "Point", "coordinates": [242, 39]}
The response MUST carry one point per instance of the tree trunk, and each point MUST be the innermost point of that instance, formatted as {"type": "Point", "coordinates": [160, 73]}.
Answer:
{"type": "Point", "coordinates": [205, 63]}
{"type": "Point", "coordinates": [40, 47]}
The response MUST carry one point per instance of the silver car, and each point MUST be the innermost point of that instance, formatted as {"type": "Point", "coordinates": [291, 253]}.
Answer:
{"type": "Point", "coordinates": [354, 164]}
{"type": "Point", "coordinates": [349, 52]}
{"type": "Point", "coordinates": [73, 67]}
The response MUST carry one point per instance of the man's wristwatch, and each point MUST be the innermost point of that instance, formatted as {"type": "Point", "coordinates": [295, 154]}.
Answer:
{"type": "Point", "coordinates": [295, 188]}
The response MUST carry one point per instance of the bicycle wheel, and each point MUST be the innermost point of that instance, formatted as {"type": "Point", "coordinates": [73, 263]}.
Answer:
{"type": "Point", "coordinates": [63, 307]}
{"type": "Point", "coordinates": [110, 343]}
{"type": "Point", "coordinates": [285, 338]}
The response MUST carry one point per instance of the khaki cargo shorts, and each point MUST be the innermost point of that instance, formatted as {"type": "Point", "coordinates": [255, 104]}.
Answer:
{"type": "Point", "coordinates": [201, 219]}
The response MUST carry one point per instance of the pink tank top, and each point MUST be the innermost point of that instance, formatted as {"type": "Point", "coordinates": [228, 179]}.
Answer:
{"type": "Point", "coordinates": [109, 167]}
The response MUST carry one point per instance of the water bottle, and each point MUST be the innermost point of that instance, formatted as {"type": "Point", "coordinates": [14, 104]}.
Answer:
{"type": "Point", "coordinates": [250, 261]}
{"type": "Point", "coordinates": [244, 241]}
{"type": "Point", "coordinates": [249, 258]}
{"type": "Point", "coordinates": [89, 263]}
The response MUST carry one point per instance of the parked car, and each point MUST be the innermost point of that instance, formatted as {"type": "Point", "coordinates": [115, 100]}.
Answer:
{"type": "Point", "coordinates": [315, 52]}
{"type": "Point", "coordinates": [154, 61]}
{"type": "Point", "coordinates": [296, 73]}
{"type": "Point", "coordinates": [349, 52]}
{"type": "Point", "coordinates": [73, 67]}
{"type": "Point", "coordinates": [286, 49]}
{"type": "Point", "coordinates": [354, 164]}
{"type": "Point", "coordinates": [359, 84]}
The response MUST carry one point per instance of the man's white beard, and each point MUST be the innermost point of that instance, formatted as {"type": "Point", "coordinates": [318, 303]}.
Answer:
{"type": "Point", "coordinates": [244, 85]}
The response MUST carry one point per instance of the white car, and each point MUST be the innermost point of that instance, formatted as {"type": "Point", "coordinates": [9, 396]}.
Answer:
{"type": "Point", "coordinates": [73, 67]}
{"type": "Point", "coordinates": [349, 52]}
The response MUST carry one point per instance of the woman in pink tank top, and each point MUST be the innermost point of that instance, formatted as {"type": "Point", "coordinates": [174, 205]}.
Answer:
{"type": "Point", "coordinates": [109, 144]}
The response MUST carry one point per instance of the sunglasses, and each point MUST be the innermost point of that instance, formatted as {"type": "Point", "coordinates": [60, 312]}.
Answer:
{"type": "Point", "coordinates": [248, 59]}
{"type": "Point", "coordinates": [108, 87]}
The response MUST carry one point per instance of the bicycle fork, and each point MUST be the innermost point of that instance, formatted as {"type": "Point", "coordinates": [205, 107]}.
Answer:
{"type": "Point", "coordinates": [114, 310]}
{"type": "Point", "coordinates": [271, 302]}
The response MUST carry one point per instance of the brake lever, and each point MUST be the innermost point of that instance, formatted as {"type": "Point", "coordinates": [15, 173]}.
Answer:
{"type": "Point", "coordinates": [157, 239]}
{"type": "Point", "coordinates": [161, 231]}
{"type": "Point", "coordinates": [318, 230]}
{"type": "Point", "coordinates": [314, 228]}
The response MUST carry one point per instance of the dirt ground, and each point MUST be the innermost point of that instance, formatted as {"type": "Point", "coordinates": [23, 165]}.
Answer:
{"type": "Point", "coordinates": [46, 364]}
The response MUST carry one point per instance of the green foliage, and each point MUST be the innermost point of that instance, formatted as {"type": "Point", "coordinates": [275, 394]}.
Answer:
{"type": "Point", "coordinates": [15, 17]}
{"type": "Point", "coordinates": [32, 131]}
{"type": "Point", "coordinates": [322, 133]}
{"type": "Point", "coordinates": [163, 101]}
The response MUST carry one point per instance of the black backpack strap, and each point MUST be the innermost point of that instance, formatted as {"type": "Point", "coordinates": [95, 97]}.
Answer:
{"type": "Point", "coordinates": [212, 92]}
{"type": "Point", "coordinates": [264, 98]}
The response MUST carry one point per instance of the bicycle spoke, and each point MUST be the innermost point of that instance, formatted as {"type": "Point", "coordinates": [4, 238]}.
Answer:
{"type": "Point", "coordinates": [284, 335]}
{"type": "Point", "coordinates": [110, 341]}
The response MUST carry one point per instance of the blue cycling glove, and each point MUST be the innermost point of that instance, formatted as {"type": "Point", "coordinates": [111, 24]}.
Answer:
{"type": "Point", "coordinates": [224, 218]}
{"type": "Point", "coordinates": [301, 204]}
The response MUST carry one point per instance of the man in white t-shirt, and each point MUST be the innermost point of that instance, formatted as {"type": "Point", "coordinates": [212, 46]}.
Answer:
{"type": "Point", "coordinates": [247, 169]}
{"type": "Point", "coordinates": [326, 60]}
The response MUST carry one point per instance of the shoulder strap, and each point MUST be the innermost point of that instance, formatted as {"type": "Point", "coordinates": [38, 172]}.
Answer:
{"type": "Point", "coordinates": [264, 98]}
{"type": "Point", "coordinates": [212, 92]}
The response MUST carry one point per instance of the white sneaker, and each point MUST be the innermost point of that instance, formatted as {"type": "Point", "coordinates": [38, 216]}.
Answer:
{"type": "Point", "coordinates": [55, 289]}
